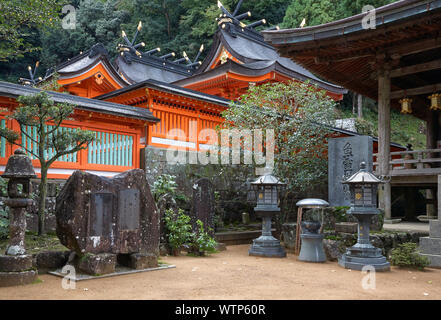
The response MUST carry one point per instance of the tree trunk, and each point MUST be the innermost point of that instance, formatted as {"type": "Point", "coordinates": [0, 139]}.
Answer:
{"type": "Point", "coordinates": [354, 96]}
{"type": "Point", "coordinates": [42, 199]}
{"type": "Point", "coordinates": [360, 105]}
{"type": "Point", "coordinates": [167, 18]}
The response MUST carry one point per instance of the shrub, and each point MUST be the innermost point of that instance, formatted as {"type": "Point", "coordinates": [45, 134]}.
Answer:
{"type": "Point", "coordinates": [406, 255]}
{"type": "Point", "coordinates": [4, 212]}
{"type": "Point", "coordinates": [165, 185]}
{"type": "Point", "coordinates": [202, 242]}
{"type": "Point", "coordinates": [178, 228]}
{"type": "Point", "coordinates": [340, 213]}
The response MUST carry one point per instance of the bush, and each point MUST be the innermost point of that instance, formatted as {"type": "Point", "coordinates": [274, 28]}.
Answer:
{"type": "Point", "coordinates": [178, 228]}
{"type": "Point", "coordinates": [406, 255]}
{"type": "Point", "coordinates": [4, 224]}
{"type": "Point", "coordinates": [4, 212]}
{"type": "Point", "coordinates": [202, 242]}
{"type": "Point", "coordinates": [165, 185]}
{"type": "Point", "coordinates": [340, 213]}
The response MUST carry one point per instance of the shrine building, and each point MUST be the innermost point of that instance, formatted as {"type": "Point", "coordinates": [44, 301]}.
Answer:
{"type": "Point", "coordinates": [136, 100]}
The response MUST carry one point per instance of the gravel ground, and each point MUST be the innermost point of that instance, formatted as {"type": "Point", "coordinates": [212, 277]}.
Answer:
{"type": "Point", "coordinates": [232, 274]}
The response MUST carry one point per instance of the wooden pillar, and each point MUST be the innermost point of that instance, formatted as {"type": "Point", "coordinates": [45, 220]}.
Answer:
{"type": "Point", "coordinates": [439, 197]}
{"type": "Point", "coordinates": [432, 134]}
{"type": "Point", "coordinates": [384, 88]}
{"type": "Point", "coordinates": [432, 130]}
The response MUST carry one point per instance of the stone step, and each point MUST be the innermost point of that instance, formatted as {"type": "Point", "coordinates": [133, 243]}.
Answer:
{"type": "Point", "coordinates": [435, 260]}
{"type": "Point", "coordinates": [435, 228]}
{"type": "Point", "coordinates": [430, 245]}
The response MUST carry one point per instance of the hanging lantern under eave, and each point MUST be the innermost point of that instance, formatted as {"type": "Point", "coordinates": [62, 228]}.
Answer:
{"type": "Point", "coordinates": [435, 101]}
{"type": "Point", "coordinates": [406, 105]}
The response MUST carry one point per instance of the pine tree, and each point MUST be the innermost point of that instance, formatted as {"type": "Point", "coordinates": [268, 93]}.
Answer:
{"type": "Point", "coordinates": [41, 114]}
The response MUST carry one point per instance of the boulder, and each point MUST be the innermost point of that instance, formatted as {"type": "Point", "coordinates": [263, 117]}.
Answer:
{"type": "Point", "coordinates": [8, 279]}
{"type": "Point", "coordinates": [332, 249]}
{"type": "Point", "coordinates": [97, 264]}
{"type": "Point", "coordinates": [49, 260]}
{"type": "Point", "coordinates": [96, 214]}
{"type": "Point", "coordinates": [10, 263]}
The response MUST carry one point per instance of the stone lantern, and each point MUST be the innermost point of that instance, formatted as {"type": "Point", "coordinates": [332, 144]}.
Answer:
{"type": "Point", "coordinates": [267, 189]}
{"type": "Point", "coordinates": [15, 266]}
{"type": "Point", "coordinates": [363, 189]}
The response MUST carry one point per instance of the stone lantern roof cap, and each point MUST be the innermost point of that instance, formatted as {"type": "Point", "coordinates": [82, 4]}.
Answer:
{"type": "Point", "coordinates": [19, 166]}
{"type": "Point", "coordinates": [312, 203]}
{"type": "Point", "coordinates": [363, 176]}
{"type": "Point", "coordinates": [268, 179]}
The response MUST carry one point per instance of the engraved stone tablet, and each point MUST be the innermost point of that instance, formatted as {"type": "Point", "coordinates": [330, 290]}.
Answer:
{"type": "Point", "coordinates": [101, 206]}
{"type": "Point", "coordinates": [344, 158]}
{"type": "Point", "coordinates": [128, 209]}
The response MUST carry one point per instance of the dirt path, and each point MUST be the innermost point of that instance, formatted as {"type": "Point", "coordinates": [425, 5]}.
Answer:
{"type": "Point", "coordinates": [233, 274]}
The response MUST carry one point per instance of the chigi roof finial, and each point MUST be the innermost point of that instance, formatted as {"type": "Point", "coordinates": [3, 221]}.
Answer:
{"type": "Point", "coordinates": [31, 81]}
{"type": "Point", "coordinates": [130, 45]}
{"type": "Point", "coordinates": [235, 18]}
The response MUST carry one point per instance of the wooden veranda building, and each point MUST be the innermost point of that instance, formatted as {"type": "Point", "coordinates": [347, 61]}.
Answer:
{"type": "Point", "coordinates": [397, 60]}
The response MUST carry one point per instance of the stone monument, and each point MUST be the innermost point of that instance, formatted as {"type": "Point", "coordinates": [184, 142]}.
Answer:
{"type": "Point", "coordinates": [203, 205]}
{"type": "Point", "coordinates": [108, 220]}
{"type": "Point", "coordinates": [430, 246]}
{"type": "Point", "coordinates": [16, 265]}
{"type": "Point", "coordinates": [344, 156]}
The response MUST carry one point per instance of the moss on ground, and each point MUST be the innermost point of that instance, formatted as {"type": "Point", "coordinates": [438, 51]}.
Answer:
{"type": "Point", "coordinates": [36, 244]}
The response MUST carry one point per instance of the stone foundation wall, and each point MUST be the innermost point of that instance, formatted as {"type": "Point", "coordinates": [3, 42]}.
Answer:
{"type": "Point", "coordinates": [335, 243]}
{"type": "Point", "coordinates": [230, 182]}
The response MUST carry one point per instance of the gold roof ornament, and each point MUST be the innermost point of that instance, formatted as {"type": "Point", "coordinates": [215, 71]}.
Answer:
{"type": "Point", "coordinates": [406, 105]}
{"type": "Point", "coordinates": [435, 101]}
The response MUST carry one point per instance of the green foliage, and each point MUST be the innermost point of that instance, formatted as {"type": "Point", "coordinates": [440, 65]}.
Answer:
{"type": "Point", "coordinates": [4, 212]}
{"type": "Point", "coordinates": [315, 12]}
{"type": "Point", "coordinates": [405, 128]}
{"type": "Point", "coordinates": [365, 127]}
{"type": "Point", "coordinates": [300, 116]}
{"type": "Point", "coordinates": [96, 22]}
{"type": "Point", "coordinates": [323, 11]}
{"type": "Point", "coordinates": [17, 17]}
{"type": "Point", "coordinates": [178, 228]}
{"type": "Point", "coordinates": [340, 213]}
{"type": "Point", "coordinates": [406, 255]}
{"type": "Point", "coordinates": [179, 233]}
{"type": "Point", "coordinates": [165, 186]}
{"type": "Point", "coordinates": [202, 242]}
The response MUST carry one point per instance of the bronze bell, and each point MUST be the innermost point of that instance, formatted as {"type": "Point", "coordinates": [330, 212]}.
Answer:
{"type": "Point", "coordinates": [19, 171]}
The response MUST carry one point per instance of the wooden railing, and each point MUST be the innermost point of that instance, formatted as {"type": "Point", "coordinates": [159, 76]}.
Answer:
{"type": "Point", "coordinates": [417, 162]}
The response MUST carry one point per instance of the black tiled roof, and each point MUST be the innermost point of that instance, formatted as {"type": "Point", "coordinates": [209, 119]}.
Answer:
{"type": "Point", "coordinates": [167, 87]}
{"type": "Point", "coordinates": [256, 56]}
{"type": "Point", "coordinates": [14, 90]}
{"type": "Point", "coordinates": [82, 62]}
